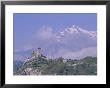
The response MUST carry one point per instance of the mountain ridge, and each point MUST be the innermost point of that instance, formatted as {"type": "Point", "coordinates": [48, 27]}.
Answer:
{"type": "Point", "coordinates": [58, 66]}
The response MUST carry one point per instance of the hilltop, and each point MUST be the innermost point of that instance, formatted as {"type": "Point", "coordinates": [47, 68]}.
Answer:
{"type": "Point", "coordinates": [41, 65]}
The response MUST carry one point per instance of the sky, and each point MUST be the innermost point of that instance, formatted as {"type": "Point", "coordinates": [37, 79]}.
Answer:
{"type": "Point", "coordinates": [26, 24]}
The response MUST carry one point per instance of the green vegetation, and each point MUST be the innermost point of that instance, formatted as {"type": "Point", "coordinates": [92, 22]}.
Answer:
{"type": "Point", "coordinates": [59, 66]}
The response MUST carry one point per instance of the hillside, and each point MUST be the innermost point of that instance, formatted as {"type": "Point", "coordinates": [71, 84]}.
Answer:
{"type": "Point", "coordinates": [59, 66]}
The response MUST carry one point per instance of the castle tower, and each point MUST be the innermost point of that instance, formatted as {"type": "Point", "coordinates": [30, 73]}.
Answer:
{"type": "Point", "coordinates": [38, 52]}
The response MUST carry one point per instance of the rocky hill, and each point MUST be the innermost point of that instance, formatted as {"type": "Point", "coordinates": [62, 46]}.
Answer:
{"type": "Point", "coordinates": [43, 66]}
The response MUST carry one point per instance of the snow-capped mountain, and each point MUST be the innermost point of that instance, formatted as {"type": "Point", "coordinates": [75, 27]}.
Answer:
{"type": "Point", "coordinates": [76, 38]}
{"type": "Point", "coordinates": [73, 42]}
{"type": "Point", "coordinates": [77, 30]}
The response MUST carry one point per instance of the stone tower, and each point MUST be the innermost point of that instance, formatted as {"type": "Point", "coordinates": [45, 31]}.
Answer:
{"type": "Point", "coordinates": [38, 52]}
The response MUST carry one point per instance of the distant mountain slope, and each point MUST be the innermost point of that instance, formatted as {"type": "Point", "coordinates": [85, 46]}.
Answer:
{"type": "Point", "coordinates": [17, 65]}
{"type": "Point", "coordinates": [58, 66]}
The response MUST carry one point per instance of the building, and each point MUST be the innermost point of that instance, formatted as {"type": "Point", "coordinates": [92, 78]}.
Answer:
{"type": "Point", "coordinates": [37, 53]}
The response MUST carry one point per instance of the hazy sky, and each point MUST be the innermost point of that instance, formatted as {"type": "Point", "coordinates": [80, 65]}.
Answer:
{"type": "Point", "coordinates": [25, 25]}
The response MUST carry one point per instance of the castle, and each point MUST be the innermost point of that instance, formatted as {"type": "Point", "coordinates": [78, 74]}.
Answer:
{"type": "Point", "coordinates": [37, 53]}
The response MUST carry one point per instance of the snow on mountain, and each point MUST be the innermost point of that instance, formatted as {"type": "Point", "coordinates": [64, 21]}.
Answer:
{"type": "Point", "coordinates": [73, 42]}
{"type": "Point", "coordinates": [75, 30]}
{"type": "Point", "coordinates": [76, 38]}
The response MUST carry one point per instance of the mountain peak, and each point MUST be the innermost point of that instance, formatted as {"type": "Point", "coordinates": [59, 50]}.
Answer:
{"type": "Point", "coordinates": [73, 29]}
{"type": "Point", "coordinates": [78, 30]}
